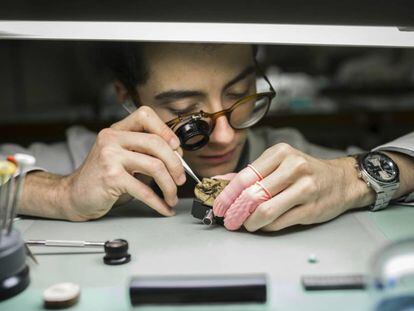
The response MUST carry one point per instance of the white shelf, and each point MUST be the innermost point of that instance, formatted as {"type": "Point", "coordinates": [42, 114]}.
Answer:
{"type": "Point", "coordinates": [209, 32]}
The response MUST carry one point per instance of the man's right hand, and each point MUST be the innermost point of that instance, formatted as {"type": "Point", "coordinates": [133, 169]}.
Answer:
{"type": "Point", "coordinates": [139, 144]}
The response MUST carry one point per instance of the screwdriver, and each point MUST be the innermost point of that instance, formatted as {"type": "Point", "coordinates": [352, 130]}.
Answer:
{"type": "Point", "coordinates": [58, 243]}
{"type": "Point", "coordinates": [65, 243]}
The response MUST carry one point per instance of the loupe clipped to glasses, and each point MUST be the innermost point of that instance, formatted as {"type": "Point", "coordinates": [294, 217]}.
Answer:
{"type": "Point", "coordinates": [194, 134]}
{"type": "Point", "coordinates": [194, 129]}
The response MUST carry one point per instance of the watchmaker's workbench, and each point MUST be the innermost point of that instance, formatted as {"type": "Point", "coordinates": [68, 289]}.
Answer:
{"type": "Point", "coordinates": [181, 245]}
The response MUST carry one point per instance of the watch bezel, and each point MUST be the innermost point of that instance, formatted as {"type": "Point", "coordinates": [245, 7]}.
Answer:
{"type": "Point", "coordinates": [395, 166]}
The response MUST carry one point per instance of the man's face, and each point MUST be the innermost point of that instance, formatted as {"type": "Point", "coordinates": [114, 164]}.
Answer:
{"type": "Point", "coordinates": [192, 77]}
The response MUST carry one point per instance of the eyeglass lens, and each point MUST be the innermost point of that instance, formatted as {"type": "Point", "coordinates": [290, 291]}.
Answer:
{"type": "Point", "coordinates": [249, 112]}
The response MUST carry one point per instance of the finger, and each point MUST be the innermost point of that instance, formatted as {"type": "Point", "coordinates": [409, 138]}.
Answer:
{"type": "Point", "coordinates": [144, 119]}
{"type": "Point", "coordinates": [247, 202]}
{"type": "Point", "coordinates": [150, 166]}
{"type": "Point", "coordinates": [294, 216]}
{"type": "Point", "coordinates": [180, 151]}
{"type": "Point", "coordinates": [271, 158]}
{"type": "Point", "coordinates": [149, 144]}
{"type": "Point", "coordinates": [267, 163]}
{"type": "Point", "coordinates": [146, 195]}
{"type": "Point", "coordinates": [285, 175]}
{"type": "Point", "coordinates": [241, 181]}
{"type": "Point", "coordinates": [268, 211]}
{"type": "Point", "coordinates": [244, 205]}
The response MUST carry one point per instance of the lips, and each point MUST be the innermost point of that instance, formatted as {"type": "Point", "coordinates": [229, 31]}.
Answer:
{"type": "Point", "coordinates": [219, 158]}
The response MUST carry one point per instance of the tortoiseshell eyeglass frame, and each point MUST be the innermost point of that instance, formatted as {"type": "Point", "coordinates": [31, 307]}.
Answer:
{"type": "Point", "coordinates": [227, 112]}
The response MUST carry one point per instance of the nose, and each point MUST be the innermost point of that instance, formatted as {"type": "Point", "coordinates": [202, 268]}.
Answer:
{"type": "Point", "coordinates": [223, 133]}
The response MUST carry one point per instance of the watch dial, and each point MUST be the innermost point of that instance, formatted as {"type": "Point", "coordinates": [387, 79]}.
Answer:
{"type": "Point", "coordinates": [380, 167]}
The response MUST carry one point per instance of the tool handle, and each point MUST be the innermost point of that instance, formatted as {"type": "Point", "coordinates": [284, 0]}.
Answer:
{"type": "Point", "coordinates": [65, 243]}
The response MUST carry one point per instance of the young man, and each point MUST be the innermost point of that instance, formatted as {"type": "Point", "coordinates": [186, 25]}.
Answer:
{"type": "Point", "coordinates": [300, 183]}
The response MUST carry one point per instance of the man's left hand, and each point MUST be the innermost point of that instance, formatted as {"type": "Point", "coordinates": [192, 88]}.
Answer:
{"type": "Point", "coordinates": [300, 190]}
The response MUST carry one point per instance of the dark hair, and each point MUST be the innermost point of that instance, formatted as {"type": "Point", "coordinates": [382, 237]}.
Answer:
{"type": "Point", "coordinates": [127, 63]}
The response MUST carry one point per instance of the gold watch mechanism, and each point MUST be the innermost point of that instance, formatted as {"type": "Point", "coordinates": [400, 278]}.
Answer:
{"type": "Point", "coordinates": [209, 188]}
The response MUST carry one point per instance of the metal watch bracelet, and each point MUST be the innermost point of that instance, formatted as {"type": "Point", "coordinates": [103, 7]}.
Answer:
{"type": "Point", "coordinates": [383, 191]}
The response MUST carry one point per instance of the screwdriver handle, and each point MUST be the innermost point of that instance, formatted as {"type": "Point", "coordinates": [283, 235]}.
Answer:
{"type": "Point", "coordinates": [64, 243]}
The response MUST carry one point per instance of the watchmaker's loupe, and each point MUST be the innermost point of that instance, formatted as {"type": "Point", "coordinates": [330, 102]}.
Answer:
{"type": "Point", "coordinates": [116, 252]}
{"type": "Point", "coordinates": [193, 134]}
{"type": "Point", "coordinates": [391, 280]}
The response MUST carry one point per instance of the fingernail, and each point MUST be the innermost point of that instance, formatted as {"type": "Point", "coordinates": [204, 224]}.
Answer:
{"type": "Point", "coordinates": [174, 201]}
{"type": "Point", "coordinates": [180, 151]}
{"type": "Point", "coordinates": [174, 143]}
{"type": "Point", "coordinates": [182, 179]}
{"type": "Point", "coordinates": [218, 210]}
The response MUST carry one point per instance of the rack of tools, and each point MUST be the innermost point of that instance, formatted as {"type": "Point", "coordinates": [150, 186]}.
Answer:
{"type": "Point", "coordinates": [14, 272]}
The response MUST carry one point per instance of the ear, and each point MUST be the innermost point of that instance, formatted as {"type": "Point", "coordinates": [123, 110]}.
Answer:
{"type": "Point", "coordinates": [121, 92]}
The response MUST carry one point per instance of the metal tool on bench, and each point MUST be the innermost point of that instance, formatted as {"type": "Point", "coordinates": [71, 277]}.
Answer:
{"type": "Point", "coordinates": [116, 251]}
{"type": "Point", "coordinates": [65, 243]}
{"type": "Point", "coordinates": [14, 273]}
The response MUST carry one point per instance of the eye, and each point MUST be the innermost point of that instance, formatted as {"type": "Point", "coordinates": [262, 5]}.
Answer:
{"type": "Point", "coordinates": [177, 112]}
{"type": "Point", "coordinates": [237, 95]}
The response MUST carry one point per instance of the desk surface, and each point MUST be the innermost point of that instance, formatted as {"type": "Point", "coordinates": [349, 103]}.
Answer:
{"type": "Point", "coordinates": [181, 245]}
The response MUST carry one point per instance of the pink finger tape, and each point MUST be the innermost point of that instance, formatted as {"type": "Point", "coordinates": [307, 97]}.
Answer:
{"type": "Point", "coordinates": [245, 205]}
{"type": "Point", "coordinates": [240, 182]}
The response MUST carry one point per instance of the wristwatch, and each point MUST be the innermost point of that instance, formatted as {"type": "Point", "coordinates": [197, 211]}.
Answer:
{"type": "Point", "coordinates": [380, 173]}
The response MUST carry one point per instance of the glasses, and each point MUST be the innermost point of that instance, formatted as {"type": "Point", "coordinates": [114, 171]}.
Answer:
{"type": "Point", "coordinates": [194, 129]}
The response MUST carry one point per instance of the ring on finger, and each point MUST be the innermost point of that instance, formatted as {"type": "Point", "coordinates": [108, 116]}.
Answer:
{"type": "Point", "coordinates": [260, 176]}
{"type": "Point", "coordinates": [269, 195]}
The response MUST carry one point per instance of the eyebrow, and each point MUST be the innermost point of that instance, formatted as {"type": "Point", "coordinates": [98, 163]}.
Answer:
{"type": "Point", "coordinates": [242, 75]}
{"type": "Point", "coordinates": [172, 95]}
